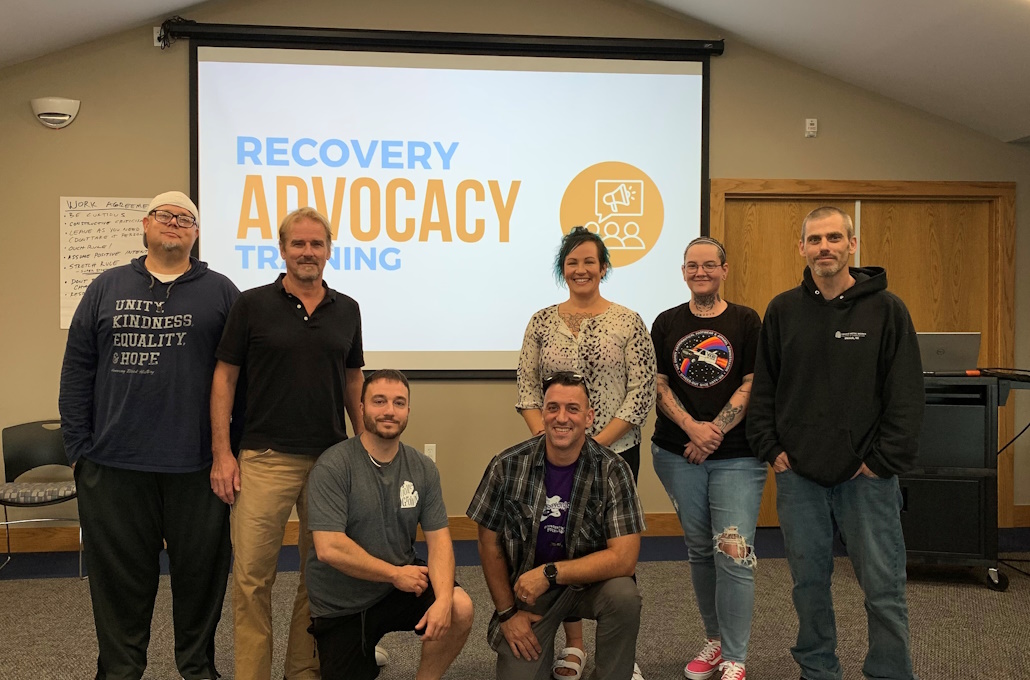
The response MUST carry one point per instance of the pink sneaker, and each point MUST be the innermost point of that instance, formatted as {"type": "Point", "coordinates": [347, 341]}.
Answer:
{"type": "Point", "coordinates": [706, 663]}
{"type": "Point", "coordinates": [731, 670]}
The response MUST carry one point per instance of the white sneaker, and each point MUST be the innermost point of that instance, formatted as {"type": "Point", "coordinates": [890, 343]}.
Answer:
{"type": "Point", "coordinates": [382, 657]}
{"type": "Point", "coordinates": [637, 675]}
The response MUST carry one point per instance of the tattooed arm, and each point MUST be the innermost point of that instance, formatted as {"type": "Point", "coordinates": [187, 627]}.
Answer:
{"type": "Point", "coordinates": [733, 412]}
{"type": "Point", "coordinates": [671, 406]}
{"type": "Point", "coordinates": [704, 436]}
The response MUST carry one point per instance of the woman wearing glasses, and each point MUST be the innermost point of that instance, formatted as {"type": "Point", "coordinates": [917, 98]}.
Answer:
{"type": "Point", "coordinates": [706, 355]}
{"type": "Point", "coordinates": [609, 346]}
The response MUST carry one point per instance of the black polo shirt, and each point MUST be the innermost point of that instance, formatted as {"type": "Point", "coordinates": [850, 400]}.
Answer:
{"type": "Point", "coordinates": [295, 366]}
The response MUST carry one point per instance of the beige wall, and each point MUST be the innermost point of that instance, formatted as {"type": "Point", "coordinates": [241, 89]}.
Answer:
{"type": "Point", "coordinates": [132, 139]}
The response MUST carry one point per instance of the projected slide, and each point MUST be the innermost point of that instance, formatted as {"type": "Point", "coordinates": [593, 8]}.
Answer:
{"type": "Point", "coordinates": [448, 181]}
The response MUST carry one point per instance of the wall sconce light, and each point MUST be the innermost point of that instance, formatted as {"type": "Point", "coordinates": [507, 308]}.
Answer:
{"type": "Point", "coordinates": [55, 112]}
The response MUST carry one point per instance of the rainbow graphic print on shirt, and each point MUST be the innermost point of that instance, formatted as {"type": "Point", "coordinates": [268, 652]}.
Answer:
{"type": "Point", "coordinates": [703, 358]}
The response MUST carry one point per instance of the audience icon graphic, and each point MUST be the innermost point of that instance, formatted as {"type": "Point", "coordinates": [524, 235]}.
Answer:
{"type": "Point", "coordinates": [618, 202]}
{"type": "Point", "coordinates": [614, 200]}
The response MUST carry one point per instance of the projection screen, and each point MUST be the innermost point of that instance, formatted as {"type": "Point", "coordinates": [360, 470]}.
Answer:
{"type": "Point", "coordinates": [449, 180]}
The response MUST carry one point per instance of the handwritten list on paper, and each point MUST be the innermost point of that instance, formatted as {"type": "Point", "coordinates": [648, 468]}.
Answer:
{"type": "Point", "coordinates": [96, 234]}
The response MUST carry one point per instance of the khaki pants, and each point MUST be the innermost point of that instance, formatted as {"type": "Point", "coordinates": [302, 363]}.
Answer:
{"type": "Point", "coordinates": [271, 483]}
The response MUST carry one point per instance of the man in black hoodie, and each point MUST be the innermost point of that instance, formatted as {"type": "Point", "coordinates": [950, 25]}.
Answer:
{"type": "Point", "coordinates": [836, 409]}
{"type": "Point", "coordinates": [134, 413]}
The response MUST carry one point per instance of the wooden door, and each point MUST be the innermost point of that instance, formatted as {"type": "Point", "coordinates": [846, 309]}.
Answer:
{"type": "Point", "coordinates": [936, 259]}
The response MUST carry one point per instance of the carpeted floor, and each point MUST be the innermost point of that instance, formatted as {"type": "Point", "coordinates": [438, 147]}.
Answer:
{"type": "Point", "coordinates": [959, 627]}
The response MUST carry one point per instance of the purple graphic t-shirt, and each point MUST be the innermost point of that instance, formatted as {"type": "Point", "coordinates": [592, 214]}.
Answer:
{"type": "Point", "coordinates": [550, 542]}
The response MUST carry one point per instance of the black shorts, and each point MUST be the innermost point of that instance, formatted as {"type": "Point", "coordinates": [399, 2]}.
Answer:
{"type": "Point", "coordinates": [347, 644]}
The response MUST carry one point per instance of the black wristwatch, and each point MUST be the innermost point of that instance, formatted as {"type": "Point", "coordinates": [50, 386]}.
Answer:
{"type": "Point", "coordinates": [551, 572]}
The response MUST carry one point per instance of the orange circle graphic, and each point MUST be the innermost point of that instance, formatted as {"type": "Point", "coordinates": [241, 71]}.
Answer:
{"type": "Point", "coordinates": [619, 202]}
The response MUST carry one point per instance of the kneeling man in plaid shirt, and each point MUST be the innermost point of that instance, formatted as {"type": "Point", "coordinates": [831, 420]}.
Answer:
{"type": "Point", "coordinates": [559, 535]}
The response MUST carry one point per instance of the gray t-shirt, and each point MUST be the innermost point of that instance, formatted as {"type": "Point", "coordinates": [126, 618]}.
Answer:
{"type": "Point", "coordinates": [379, 508]}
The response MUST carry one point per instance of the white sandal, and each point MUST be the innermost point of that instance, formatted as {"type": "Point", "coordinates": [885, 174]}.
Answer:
{"type": "Point", "coordinates": [577, 668]}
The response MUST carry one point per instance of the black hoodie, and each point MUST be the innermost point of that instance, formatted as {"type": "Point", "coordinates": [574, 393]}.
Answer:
{"type": "Point", "coordinates": [136, 381]}
{"type": "Point", "coordinates": [838, 382]}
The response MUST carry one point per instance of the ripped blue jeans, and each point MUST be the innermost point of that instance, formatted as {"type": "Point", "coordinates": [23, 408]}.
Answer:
{"type": "Point", "coordinates": [717, 503]}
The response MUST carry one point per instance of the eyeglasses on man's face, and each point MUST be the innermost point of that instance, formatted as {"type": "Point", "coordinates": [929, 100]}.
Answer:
{"type": "Point", "coordinates": [181, 221]}
{"type": "Point", "coordinates": [708, 267]}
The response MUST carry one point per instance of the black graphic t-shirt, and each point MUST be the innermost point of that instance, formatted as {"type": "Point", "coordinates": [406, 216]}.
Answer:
{"type": "Point", "coordinates": [705, 361]}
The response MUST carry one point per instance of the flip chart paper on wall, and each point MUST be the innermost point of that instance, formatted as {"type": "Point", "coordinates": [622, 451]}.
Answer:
{"type": "Point", "coordinates": [96, 234]}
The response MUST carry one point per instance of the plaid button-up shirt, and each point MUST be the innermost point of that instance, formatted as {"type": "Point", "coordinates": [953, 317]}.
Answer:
{"type": "Point", "coordinates": [511, 496]}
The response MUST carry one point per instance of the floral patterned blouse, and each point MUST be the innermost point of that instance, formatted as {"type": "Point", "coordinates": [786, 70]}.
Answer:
{"type": "Point", "coordinates": [613, 352]}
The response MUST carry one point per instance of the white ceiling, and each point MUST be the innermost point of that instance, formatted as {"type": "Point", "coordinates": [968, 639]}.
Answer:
{"type": "Point", "coordinates": [964, 60]}
{"type": "Point", "coordinates": [32, 28]}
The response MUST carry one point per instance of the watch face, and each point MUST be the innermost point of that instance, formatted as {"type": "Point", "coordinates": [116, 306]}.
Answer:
{"type": "Point", "coordinates": [550, 571]}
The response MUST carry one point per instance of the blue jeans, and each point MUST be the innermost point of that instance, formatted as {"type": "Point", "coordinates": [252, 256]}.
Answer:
{"type": "Point", "coordinates": [710, 498]}
{"type": "Point", "coordinates": [868, 514]}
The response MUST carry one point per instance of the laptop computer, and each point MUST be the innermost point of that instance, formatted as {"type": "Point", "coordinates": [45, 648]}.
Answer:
{"type": "Point", "coordinates": [948, 352]}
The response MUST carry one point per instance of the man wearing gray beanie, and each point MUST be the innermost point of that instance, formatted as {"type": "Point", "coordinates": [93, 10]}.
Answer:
{"type": "Point", "coordinates": [134, 402]}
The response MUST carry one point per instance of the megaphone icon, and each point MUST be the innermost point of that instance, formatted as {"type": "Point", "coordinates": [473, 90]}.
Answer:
{"type": "Point", "coordinates": [620, 195]}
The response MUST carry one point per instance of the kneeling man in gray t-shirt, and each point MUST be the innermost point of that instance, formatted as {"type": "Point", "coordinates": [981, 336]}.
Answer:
{"type": "Point", "coordinates": [366, 497]}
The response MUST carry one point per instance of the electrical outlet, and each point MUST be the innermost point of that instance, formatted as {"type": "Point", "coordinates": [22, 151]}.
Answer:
{"type": "Point", "coordinates": [157, 37]}
{"type": "Point", "coordinates": [430, 450]}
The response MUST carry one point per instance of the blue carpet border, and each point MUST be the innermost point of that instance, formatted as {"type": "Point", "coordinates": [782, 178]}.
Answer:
{"type": "Point", "coordinates": [768, 544]}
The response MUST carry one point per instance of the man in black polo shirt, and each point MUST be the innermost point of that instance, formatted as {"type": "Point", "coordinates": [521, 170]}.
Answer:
{"type": "Point", "coordinates": [300, 344]}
